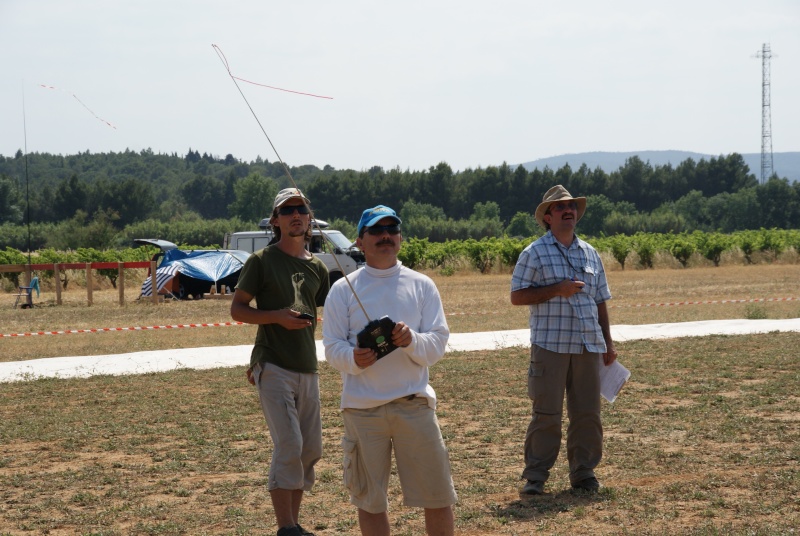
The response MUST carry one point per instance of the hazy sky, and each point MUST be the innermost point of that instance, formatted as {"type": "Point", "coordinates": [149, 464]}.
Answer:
{"type": "Point", "coordinates": [472, 83]}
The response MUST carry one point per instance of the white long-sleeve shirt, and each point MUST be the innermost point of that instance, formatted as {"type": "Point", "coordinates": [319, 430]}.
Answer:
{"type": "Point", "coordinates": [403, 295]}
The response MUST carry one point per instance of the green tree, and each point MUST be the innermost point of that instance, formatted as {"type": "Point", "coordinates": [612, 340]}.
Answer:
{"type": "Point", "coordinates": [598, 208]}
{"type": "Point", "coordinates": [131, 199]}
{"type": "Point", "coordinates": [712, 245]}
{"type": "Point", "coordinates": [413, 210]}
{"type": "Point", "coordinates": [645, 246]}
{"type": "Point", "coordinates": [11, 202]}
{"type": "Point", "coordinates": [70, 197]}
{"type": "Point", "coordinates": [205, 195]}
{"type": "Point", "coordinates": [621, 247]}
{"type": "Point", "coordinates": [682, 248]}
{"type": "Point", "coordinates": [523, 225]}
{"type": "Point", "coordinates": [779, 204]}
{"type": "Point", "coordinates": [485, 211]}
{"type": "Point", "coordinates": [254, 195]}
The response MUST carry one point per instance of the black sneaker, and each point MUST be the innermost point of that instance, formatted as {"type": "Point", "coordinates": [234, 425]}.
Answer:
{"type": "Point", "coordinates": [533, 487]}
{"type": "Point", "coordinates": [590, 485]}
{"type": "Point", "coordinates": [303, 531]}
{"type": "Point", "coordinates": [290, 531]}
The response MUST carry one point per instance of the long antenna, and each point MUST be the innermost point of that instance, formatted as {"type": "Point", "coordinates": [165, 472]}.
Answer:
{"type": "Point", "coordinates": [289, 174]}
{"type": "Point", "coordinates": [766, 114]}
{"type": "Point", "coordinates": [27, 181]}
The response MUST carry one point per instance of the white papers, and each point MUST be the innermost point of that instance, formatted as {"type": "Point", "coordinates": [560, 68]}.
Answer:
{"type": "Point", "coordinates": [612, 378]}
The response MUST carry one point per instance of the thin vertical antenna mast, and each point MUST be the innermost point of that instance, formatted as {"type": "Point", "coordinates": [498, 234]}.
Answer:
{"type": "Point", "coordinates": [27, 180]}
{"type": "Point", "coordinates": [766, 114]}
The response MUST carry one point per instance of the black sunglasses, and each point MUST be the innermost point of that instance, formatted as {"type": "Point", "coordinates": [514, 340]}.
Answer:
{"type": "Point", "coordinates": [288, 210]}
{"type": "Point", "coordinates": [377, 230]}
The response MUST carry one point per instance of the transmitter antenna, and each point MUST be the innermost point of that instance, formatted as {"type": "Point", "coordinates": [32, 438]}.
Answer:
{"type": "Point", "coordinates": [291, 179]}
{"type": "Point", "coordinates": [767, 168]}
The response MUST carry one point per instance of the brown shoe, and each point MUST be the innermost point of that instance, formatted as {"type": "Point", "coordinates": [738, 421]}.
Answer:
{"type": "Point", "coordinates": [533, 487]}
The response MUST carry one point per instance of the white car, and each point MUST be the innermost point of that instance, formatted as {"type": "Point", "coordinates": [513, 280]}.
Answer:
{"type": "Point", "coordinates": [333, 248]}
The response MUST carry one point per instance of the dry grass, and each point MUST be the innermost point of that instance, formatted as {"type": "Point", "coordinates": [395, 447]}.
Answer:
{"type": "Point", "coordinates": [473, 302]}
{"type": "Point", "coordinates": [705, 439]}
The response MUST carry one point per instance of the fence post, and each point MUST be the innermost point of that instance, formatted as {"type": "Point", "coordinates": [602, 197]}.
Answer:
{"type": "Point", "coordinates": [153, 287]}
{"type": "Point", "coordinates": [89, 283]}
{"type": "Point", "coordinates": [121, 282]}
{"type": "Point", "coordinates": [57, 273]}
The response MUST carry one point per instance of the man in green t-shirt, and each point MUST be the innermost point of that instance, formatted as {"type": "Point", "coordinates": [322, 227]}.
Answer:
{"type": "Point", "coordinates": [288, 284]}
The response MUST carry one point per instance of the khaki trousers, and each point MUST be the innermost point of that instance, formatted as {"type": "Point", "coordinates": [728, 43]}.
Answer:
{"type": "Point", "coordinates": [549, 376]}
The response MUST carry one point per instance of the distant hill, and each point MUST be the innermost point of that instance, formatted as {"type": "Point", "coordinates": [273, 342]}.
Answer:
{"type": "Point", "coordinates": [784, 164]}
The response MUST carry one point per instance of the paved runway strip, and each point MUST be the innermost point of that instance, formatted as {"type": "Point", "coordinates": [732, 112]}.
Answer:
{"type": "Point", "coordinates": [234, 356]}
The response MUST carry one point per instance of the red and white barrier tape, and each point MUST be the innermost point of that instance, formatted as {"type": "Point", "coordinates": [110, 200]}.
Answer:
{"type": "Point", "coordinates": [218, 324]}
{"type": "Point", "coordinates": [754, 300]}
{"type": "Point", "coordinates": [134, 328]}
{"type": "Point", "coordinates": [654, 305]}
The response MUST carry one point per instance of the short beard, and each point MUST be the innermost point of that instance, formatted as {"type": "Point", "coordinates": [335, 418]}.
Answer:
{"type": "Point", "coordinates": [296, 232]}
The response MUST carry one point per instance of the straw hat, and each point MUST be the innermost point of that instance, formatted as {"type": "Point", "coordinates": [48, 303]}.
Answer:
{"type": "Point", "coordinates": [554, 195]}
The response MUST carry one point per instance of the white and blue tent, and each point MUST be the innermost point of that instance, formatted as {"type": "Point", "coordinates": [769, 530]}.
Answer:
{"type": "Point", "coordinates": [197, 270]}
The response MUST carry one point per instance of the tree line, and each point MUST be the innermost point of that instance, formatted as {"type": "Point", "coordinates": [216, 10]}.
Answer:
{"type": "Point", "coordinates": [105, 199]}
{"type": "Point", "coordinates": [488, 253]}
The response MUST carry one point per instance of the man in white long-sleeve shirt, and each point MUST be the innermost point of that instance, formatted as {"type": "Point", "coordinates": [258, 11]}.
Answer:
{"type": "Point", "coordinates": [387, 403]}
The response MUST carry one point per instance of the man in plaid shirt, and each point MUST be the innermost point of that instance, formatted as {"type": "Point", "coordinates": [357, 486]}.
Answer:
{"type": "Point", "coordinates": [562, 280]}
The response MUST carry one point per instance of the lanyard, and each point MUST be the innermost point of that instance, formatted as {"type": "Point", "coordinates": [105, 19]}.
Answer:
{"type": "Point", "coordinates": [566, 258]}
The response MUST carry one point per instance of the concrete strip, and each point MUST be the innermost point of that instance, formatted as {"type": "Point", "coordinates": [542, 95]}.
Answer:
{"type": "Point", "coordinates": [234, 356]}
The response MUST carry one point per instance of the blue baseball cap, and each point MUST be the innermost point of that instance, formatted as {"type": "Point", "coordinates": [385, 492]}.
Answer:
{"type": "Point", "coordinates": [371, 216]}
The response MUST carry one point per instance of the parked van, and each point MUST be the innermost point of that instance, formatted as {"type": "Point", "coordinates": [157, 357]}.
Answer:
{"type": "Point", "coordinates": [325, 243]}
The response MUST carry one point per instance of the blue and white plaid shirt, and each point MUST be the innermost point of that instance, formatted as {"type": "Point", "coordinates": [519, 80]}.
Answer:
{"type": "Point", "coordinates": [564, 325]}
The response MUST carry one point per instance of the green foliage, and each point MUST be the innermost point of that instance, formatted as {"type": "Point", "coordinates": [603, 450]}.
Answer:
{"type": "Point", "coordinates": [682, 247]}
{"type": "Point", "coordinates": [712, 245]}
{"type": "Point", "coordinates": [598, 208]}
{"type": "Point", "coordinates": [620, 247]}
{"type": "Point", "coordinates": [11, 202]}
{"type": "Point", "coordinates": [645, 246]}
{"type": "Point", "coordinates": [482, 255]}
{"type": "Point", "coordinates": [523, 225]}
{"type": "Point", "coordinates": [719, 194]}
{"type": "Point", "coordinates": [198, 233]}
{"type": "Point", "coordinates": [413, 251]}
{"type": "Point", "coordinates": [485, 211]}
{"type": "Point", "coordinates": [348, 229]}
{"type": "Point", "coordinates": [254, 195]}
{"type": "Point", "coordinates": [12, 256]}
{"type": "Point", "coordinates": [413, 210]}
{"type": "Point", "coordinates": [16, 236]}
{"type": "Point", "coordinates": [771, 242]}
{"type": "Point", "coordinates": [747, 241]}
{"type": "Point", "coordinates": [80, 231]}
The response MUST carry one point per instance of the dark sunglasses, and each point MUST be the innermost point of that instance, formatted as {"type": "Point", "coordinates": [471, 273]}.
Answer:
{"type": "Point", "coordinates": [288, 210]}
{"type": "Point", "coordinates": [560, 207]}
{"type": "Point", "coordinates": [377, 230]}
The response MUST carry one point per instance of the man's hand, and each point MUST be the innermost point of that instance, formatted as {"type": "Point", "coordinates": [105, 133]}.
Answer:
{"type": "Point", "coordinates": [401, 335]}
{"type": "Point", "coordinates": [570, 287]}
{"type": "Point", "coordinates": [364, 357]}
{"type": "Point", "coordinates": [610, 355]}
{"type": "Point", "coordinates": [250, 378]}
{"type": "Point", "coordinates": [290, 319]}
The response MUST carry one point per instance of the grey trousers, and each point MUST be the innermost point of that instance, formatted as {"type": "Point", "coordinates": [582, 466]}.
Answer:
{"type": "Point", "coordinates": [549, 376]}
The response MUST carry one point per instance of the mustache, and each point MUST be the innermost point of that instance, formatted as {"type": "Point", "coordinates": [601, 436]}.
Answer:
{"type": "Point", "coordinates": [385, 241]}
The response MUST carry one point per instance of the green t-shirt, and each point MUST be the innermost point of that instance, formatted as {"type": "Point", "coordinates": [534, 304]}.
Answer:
{"type": "Point", "coordinates": [280, 281]}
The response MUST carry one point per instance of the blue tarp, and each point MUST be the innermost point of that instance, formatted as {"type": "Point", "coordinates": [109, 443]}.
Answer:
{"type": "Point", "coordinates": [205, 265]}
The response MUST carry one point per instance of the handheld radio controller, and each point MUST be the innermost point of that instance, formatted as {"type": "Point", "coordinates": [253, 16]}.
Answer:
{"type": "Point", "coordinates": [377, 335]}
